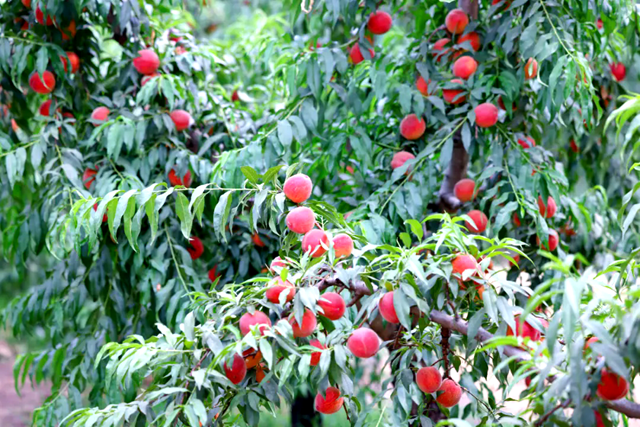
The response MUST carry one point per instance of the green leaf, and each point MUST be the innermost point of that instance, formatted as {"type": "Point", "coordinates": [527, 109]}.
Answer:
{"type": "Point", "coordinates": [285, 134]}
{"type": "Point", "coordinates": [182, 210]}
{"type": "Point", "coordinates": [221, 214]}
{"type": "Point", "coordinates": [250, 174]}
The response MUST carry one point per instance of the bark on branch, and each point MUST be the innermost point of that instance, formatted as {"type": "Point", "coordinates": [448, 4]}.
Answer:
{"type": "Point", "coordinates": [456, 171]}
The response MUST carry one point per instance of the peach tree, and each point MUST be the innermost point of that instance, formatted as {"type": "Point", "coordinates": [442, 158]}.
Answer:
{"type": "Point", "coordinates": [227, 219]}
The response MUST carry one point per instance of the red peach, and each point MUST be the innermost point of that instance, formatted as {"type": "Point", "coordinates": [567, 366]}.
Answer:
{"type": "Point", "coordinates": [429, 379]}
{"type": "Point", "coordinates": [147, 79]}
{"type": "Point", "coordinates": [473, 38]}
{"type": "Point", "coordinates": [42, 84]}
{"type": "Point", "coordinates": [599, 422]}
{"type": "Point", "coordinates": [439, 50]}
{"type": "Point", "coordinates": [26, 3]}
{"type": "Point", "coordinates": [277, 263]}
{"type": "Point", "coordinates": [456, 21]}
{"type": "Point", "coordinates": [69, 32]}
{"type": "Point", "coordinates": [74, 60]}
{"type": "Point", "coordinates": [516, 220]}
{"type": "Point", "coordinates": [213, 274]}
{"type": "Point", "coordinates": [525, 330]}
{"type": "Point", "coordinates": [45, 108]}
{"type": "Point", "coordinates": [297, 188]}
{"type": "Point", "coordinates": [356, 55]}
{"type": "Point", "coordinates": [464, 67]}
{"type": "Point", "coordinates": [315, 242]}
{"type": "Point", "coordinates": [252, 358]}
{"type": "Point", "coordinates": [331, 403]}
{"type": "Point", "coordinates": [147, 62]}
{"type": "Point", "coordinates": [309, 323]}
{"type": "Point", "coordinates": [554, 239]}
{"type": "Point", "coordinates": [234, 96]}
{"type": "Point", "coordinates": [486, 115]}
{"type": "Point", "coordinates": [257, 318]}
{"type": "Point", "coordinates": [463, 262]}
{"type": "Point", "coordinates": [197, 248]}
{"type": "Point", "coordinates": [480, 220]}
{"type": "Point", "coordinates": [40, 17]}
{"type": "Point", "coordinates": [501, 104]}
{"type": "Point", "coordinates": [599, 23]}
{"type": "Point", "coordinates": [277, 287]}
{"type": "Point", "coordinates": [342, 245]}
{"type": "Point", "coordinates": [400, 159]}
{"type": "Point", "coordinates": [451, 95]}
{"type": "Point", "coordinates": [549, 210]}
{"type": "Point", "coordinates": [612, 386]}
{"type": "Point", "coordinates": [315, 356]}
{"type": "Point", "coordinates": [412, 127]}
{"type": "Point", "coordinates": [176, 180]}
{"type": "Point", "coordinates": [574, 147]}
{"type": "Point", "coordinates": [618, 70]}
{"type": "Point", "coordinates": [181, 119]}
{"type": "Point", "coordinates": [379, 22]}
{"type": "Point", "coordinates": [423, 86]}
{"type": "Point", "coordinates": [88, 177]}
{"type": "Point", "coordinates": [238, 369]}
{"type": "Point", "coordinates": [450, 393]}
{"type": "Point", "coordinates": [255, 238]}
{"type": "Point", "coordinates": [528, 142]}
{"type": "Point", "coordinates": [300, 220]}
{"type": "Point", "coordinates": [100, 115]}
{"type": "Point", "coordinates": [386, 308]}
{"type": "Point", "coordinates": [590, 341]}
{"type": "Point", "coordinates": [464, 190]}
{"type": "Point", "coordinates": [259, 377]}
{"type": "Point", "coordinates": [363, 343]}
{"type": "Point", "coordinates": [531, 69]}
{"type": "Point", "coordinates": [333, 305]}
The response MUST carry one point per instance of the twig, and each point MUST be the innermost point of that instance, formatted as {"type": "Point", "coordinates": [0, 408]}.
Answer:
{"type": "Point", "coordinates": [175, 262]}
{"type": "Point", "coordinates": [546, 416]}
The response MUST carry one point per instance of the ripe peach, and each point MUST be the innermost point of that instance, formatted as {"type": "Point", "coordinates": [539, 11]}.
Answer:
{"type": "Point", "coordinates": [309, 323]}
{"type": "Point", "coordinates": [88, 177]}
{"type": "Point", "coordinates": [259, 377]}
{"type": "Point", "coordinates": [363, 343]}
{"type": "Point", "coordinates": [480, 220]}
{"type": "Point", "coordinates": [516, 220]}
{"type": "Point", "coordinates": [486, 115]}
{"type": "Point", "coordinates": [464, 190]}
{"type": "Point", "coordinates": [26, 3]}
{"type": "Point", "coordinates": [590, 341]}
{"type": "Point", "coordinates": [527, 142]}
{"type": "Point", "coordinates": [429, 379]}
{"type": "Point", "coordinates": [234, 96]}
{"type": "Point", "coordinates": [277, 263]}
{"type": "Point", "coordinates": [257, 318]}
{"type": "Point", "coordinates": [255, 238]}
{"type": "Point", "coordinates": [464, 67]}
{"type": "Point", "coordinates": [342, 245]}
{"type": "Point", "coordinates": [333, 305]}
{"type": "Point", "coordinates": [463, 262]}
{"type": "Point", "coordinates": [330, 403]}
{"type": "Point", "coordinates": [412, 127]}
{"type": "Point", "coordinates": [554, 239]}
{"type": "Point", "coordinates": [100, 115]}
{"type": "Point", "coordinates": [315, 242]}
{"type": "Point", "coordinates": [379, 22]}
{"type": "Point", "coordinates": [297, 188]}
{"type": "Point", "coordinates": [451, 95]}
{"type": "Point", "coordinates": [599, 23]}
{"type": "Point", "coordinates": [450, 393]}
{"type": "Point", "coordinates": [473, 38]}
{"type": "Point", "coordinates": [69, 31]}
{"type": "Point", "coordinates": [42, 84]}
{"type": "Point", "coordinates": [618, 70]}
{"type": "Point", "coordinates": [612, 386]}
{"type": "Point", "coordinates": [147, 62]}
{"type": "Point", "coordinates": [574, 147]}
{"type": "Point", "coordinates": [176, 180]}
{"type": "Point", "coordinates": [423, 86]}
{"type": "Point", "coordinates": [599, 422]}
{"type": "Point", "coordinates": [213, 274]}
{"type": "Point", "coordinates": [238, 369]}
{"type": "Point", "coordinates": [40, 17]}
{"type": "Point", "coordinates": [400, 158]}
{"type": "Point", "coordinates": [197, 248]}
{"type": "Point", "coordinates": [456, 21]}
{"type": "Point", "coordinates": [386, 308]}
{"type": "Point", "coordinates": [148, 78]}
{"type": "Point", "coordinates": [45, 108]}
{"type": "Point", "coordinates": [300, 220]}
{"type": "Point", "coordinates": [181, 119]}
{"type": "Point", "coordinates": [73, 59]}
{"type": "Point", "coordinates": [531, 69]}
{"type": "Point", "coordinates": [277, 287]}
{"type": "Point", "coordinates": [549, 210]}
{"type": "Point", "coordinates": [439, 48]}
{"type": "Point", "coordinates": [315, 356]}
{"type": "Point", "coordinates": [251, 357]}
{"type": "Point", "coordinates": [525, 330]}
{"type": "Point", "coordinates": [356, 55]}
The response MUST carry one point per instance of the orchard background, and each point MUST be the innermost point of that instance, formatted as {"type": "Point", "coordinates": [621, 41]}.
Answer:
{"type": "Point", "coordinates": [367, 213]}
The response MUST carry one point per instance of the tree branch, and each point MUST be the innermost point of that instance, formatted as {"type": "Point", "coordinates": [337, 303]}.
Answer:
{"type": "Point", "coordinates": [456, 171]}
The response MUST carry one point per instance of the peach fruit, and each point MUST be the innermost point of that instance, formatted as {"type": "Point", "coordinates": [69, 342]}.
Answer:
{"type": "Point", "coordinates": [300, 220]}
{"type": "Point", "coordinates": [297, 188]}
{"type": "Point", "coordinates": [333, 305]}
